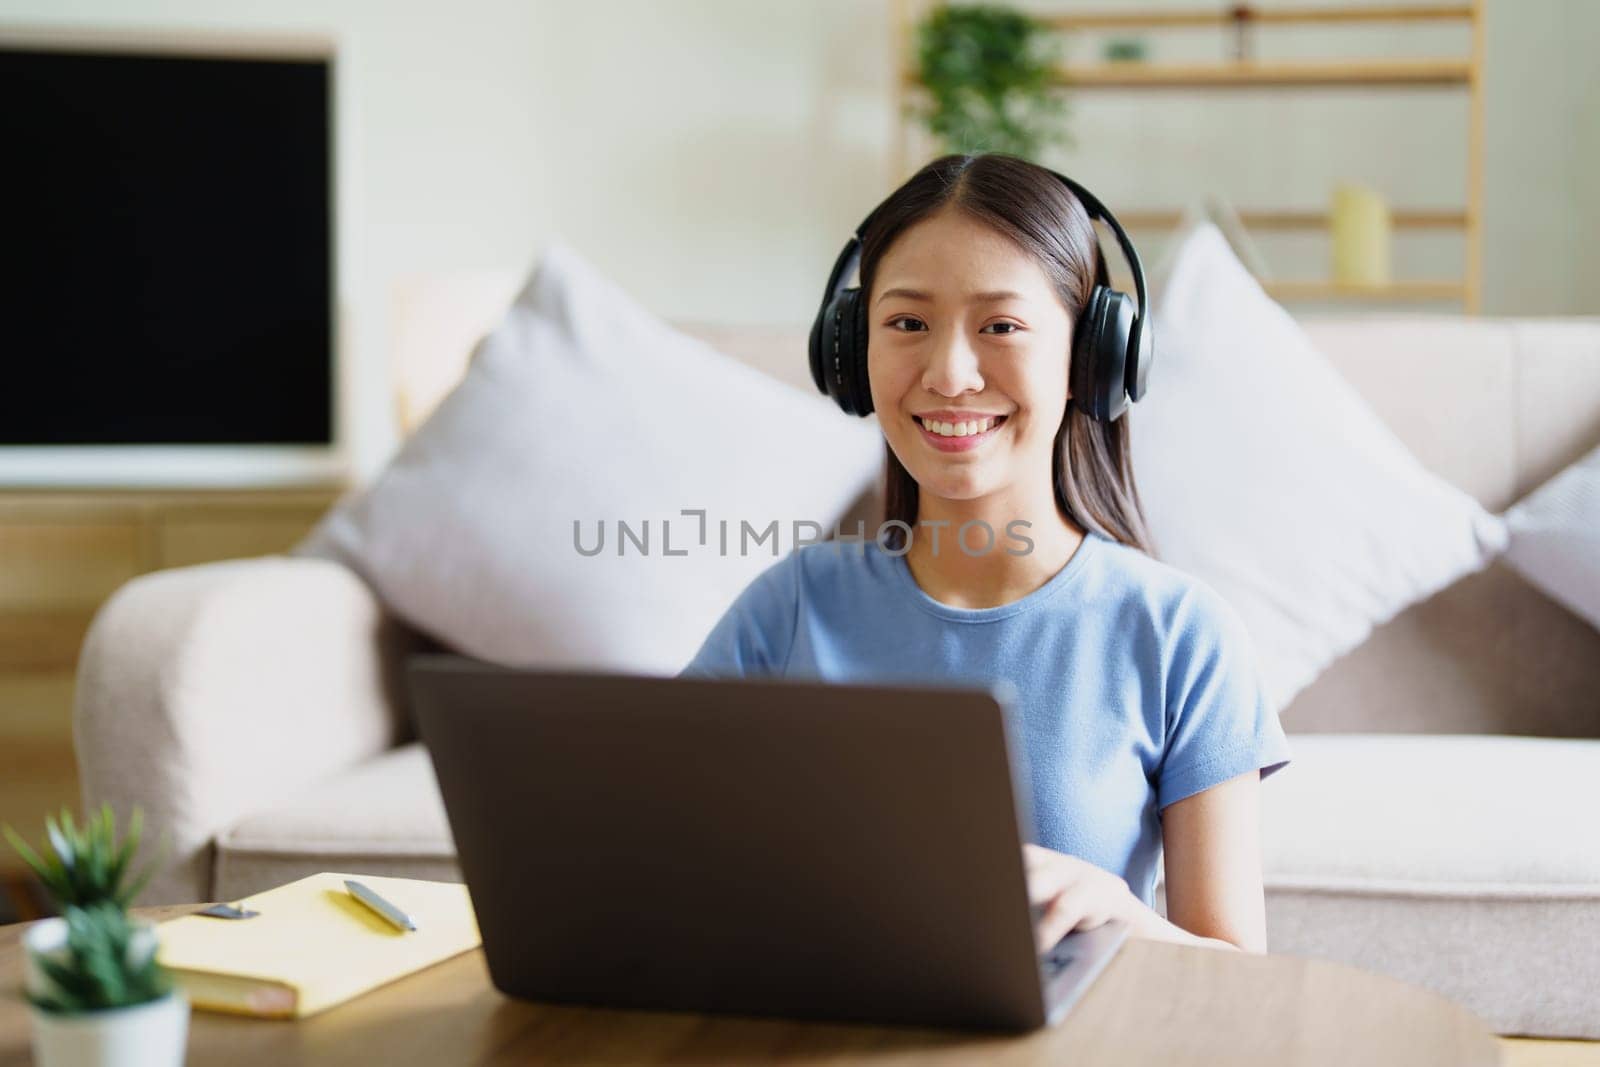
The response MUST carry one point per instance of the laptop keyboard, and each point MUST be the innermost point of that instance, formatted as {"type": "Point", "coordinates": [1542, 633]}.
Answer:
{"type": "Point", "coordinates": [1056, 960]}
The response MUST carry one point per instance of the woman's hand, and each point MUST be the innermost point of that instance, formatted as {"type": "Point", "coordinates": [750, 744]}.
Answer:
{"type": "Point", "coordinates": [1074, 894]}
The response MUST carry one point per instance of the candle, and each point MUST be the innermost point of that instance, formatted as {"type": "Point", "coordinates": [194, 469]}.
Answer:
{"type": "Point", "coordinates": [1361, 236]}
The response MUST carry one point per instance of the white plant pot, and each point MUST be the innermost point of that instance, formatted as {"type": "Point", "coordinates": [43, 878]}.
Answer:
{"type": "Point", "coordinates": [154, 1034]}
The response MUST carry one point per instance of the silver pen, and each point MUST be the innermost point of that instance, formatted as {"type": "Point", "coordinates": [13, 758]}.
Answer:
{"type": "Point", "coordinates": [372, 900]}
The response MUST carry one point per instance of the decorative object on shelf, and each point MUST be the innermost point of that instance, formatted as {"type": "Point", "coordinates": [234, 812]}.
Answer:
{"type": "Point", "coordinates": [98, 995]}
{"type": "Point", "coordinates": [1361, 232]}
{"type": "Point", "coordinates": [989, 73]}
{"type": "Point", "coordinates": [1126, 50]}
{"type": "Point", "coordinates": [1240, 15]}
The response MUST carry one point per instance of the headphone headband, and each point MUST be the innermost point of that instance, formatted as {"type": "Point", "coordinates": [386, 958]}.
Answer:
{"type": "Point", "coordinates": [1091, 205]}
{"type": "Point", "coordinates": [1096, 209]}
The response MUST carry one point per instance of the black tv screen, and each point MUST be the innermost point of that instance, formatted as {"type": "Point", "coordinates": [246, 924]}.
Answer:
{"type": "Point", "coordinates": [166, 253]}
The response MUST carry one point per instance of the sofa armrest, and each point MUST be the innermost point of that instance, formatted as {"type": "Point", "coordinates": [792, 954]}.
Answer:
{"type": "Point", "coordinates": [206, 693]}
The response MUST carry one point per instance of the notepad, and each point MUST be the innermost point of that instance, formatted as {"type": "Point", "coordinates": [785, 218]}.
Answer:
{"type": "Point", "coordinates": [314, 945]}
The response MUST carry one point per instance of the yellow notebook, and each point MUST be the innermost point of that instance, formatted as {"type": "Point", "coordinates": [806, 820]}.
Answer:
{"type": "Point", "coordinates": [314, 945]}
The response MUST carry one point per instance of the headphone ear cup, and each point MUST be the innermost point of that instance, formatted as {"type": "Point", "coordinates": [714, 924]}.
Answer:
{"type": "Point", "coordinates": [820, 343]}
{"type": "Point", "coordinates": [1085, 374]}
{"type": "Point", "coordinates": [856, 316]}
{"type": "Point", "coordinates": [1100, 354]}
{"type": "Point", "coordinates": [844, 356]}
{"type": "Point", "coordinates": [830, 349]}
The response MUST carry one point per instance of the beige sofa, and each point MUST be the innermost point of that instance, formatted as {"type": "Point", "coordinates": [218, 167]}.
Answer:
{"type": "Point", "coordinates": [251, 708]}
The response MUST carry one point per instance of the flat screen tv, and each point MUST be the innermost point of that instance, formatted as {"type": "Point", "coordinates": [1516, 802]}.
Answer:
{"type": "Point", "coordinates": [167, 260]}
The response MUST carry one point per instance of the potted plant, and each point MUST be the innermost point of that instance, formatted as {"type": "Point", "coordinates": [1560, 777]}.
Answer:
{"type": "Point", "coordinates": [990, 73]}
{"type": "Point", "coordinates": [97, 993]}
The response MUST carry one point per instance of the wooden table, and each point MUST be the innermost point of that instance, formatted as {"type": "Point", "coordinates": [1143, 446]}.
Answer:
{"type": "Point", "coordinates": [1156, 1003]}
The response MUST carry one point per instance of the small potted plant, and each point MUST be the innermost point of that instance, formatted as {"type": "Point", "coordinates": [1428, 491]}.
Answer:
{"type": "Point", "coordinates": [97, 992]}
{"type": "Point", "coordinates": [991, 78]}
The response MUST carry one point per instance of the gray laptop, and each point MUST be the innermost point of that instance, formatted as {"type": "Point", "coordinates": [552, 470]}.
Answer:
{"type": "Point", "coordinates": [755, 846]}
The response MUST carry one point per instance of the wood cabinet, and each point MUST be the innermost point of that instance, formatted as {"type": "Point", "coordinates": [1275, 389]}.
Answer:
{"type": "Point", "coordinates": [62, 553]}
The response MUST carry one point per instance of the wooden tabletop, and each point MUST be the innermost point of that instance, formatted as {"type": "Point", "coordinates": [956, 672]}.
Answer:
{"type": "Point", "coordinates": [1156, 1003]}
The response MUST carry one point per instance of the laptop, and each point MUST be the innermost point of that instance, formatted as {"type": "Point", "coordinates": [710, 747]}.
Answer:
{"type": "Point", "coordinates": [757, 846]}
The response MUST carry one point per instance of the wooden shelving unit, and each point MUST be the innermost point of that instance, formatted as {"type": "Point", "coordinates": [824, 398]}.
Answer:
{"type": "Point", "coordinates": [1244, 75]}
{"type": "Point", "coordinates": [1410, 289]}
{"type": "Point", "coordinates": [1299, 220]}
{"type": "Point", "coordinates": [1456, 73]}
{"type": "Point", "coordinates": [1151, 20]}
{"type": "Point", "coordinates": [1249, 75]}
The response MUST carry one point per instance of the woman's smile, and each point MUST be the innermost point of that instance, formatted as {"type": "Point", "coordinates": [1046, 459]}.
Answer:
{"type": "Point", "coordinates": [959, 437]}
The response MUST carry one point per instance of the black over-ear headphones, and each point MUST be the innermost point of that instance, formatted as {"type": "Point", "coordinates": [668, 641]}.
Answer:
{"type": "Point", "coordinates": [1112, 344]}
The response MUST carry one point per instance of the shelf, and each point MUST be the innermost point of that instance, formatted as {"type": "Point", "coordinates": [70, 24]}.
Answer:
{"type": "Point", "coordinates": [1298, 220]}
{"type": "Point", "coordinates": [1254, 74]}
{"type": "Point", "coordinates": [1097, 20]}
{"type": "Point", "coordinates": [1400, 292]}
{"type": "Point", "coordinates": [1412, 73]}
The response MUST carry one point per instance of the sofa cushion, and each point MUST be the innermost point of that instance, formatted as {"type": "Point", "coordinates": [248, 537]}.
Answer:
{"type": "Point", "coordinates": [1436, 813]}
{"type": "Point", "coordinates": [1264, 472]}
{"type": "Point", "coordinates": [1469, 865]}
{"type": "Point", "coordinates": [1555, 537]}
{"type": "Point", "coordinates": [533, 519]}
{"type": "Point", "coordinates": [384, 817]}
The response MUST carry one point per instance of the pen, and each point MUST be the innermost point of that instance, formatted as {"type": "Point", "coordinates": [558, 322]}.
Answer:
{"type": "Point", "coordinates": [372, 900]}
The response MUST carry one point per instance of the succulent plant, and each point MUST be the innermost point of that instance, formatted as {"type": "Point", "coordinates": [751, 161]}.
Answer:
{"type": "Point", "coordinates": [104, 964]}
{"type": "Point", "coordinates": [88, 865]}
{"type": "Point", "coordinates": [103, 967]}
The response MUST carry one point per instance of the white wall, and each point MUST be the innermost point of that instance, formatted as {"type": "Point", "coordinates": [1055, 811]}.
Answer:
{"type": "Point", "coordinates": [1543, 202]}
{"type": "Point", "coordinates": [712, 155]}
{"type": "Point", "coordinates": [1583, 40]}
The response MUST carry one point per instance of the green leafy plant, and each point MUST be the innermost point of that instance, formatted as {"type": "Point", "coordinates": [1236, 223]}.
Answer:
{"type": "Point", "coordinates": [989, 72]}
{"type": "Point", "coordinates": [88, 865]}
{"type": "Point", "coordinates": [105, 963]}
{"type": "Point", "coordinates": [1125, 50]}
{"type": "Point", "coordinates": [103, 968]}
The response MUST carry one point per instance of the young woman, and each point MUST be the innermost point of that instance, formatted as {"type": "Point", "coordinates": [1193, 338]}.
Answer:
{"type": "Point", "coordinates": [1143, 718]}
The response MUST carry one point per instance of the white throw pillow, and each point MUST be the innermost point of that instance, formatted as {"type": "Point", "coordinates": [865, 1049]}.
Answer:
{"type": "Point", "coordinates": [1555, 537]}
{"type": "Point", "coordinates": [583, 407]}
{"type": "Point", "coordinates": [1264, 473]}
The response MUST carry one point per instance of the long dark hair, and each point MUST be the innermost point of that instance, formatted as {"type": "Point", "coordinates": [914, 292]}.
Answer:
{"type": "Point", "coordinates": [1091, 461]}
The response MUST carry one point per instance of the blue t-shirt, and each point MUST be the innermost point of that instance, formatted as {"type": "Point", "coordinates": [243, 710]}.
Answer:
{"type": "Point", "coordinates": [1136, 684]}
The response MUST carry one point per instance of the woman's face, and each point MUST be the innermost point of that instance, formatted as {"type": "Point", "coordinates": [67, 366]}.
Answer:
{"type": "Point", "coordinates": [962, 322]}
